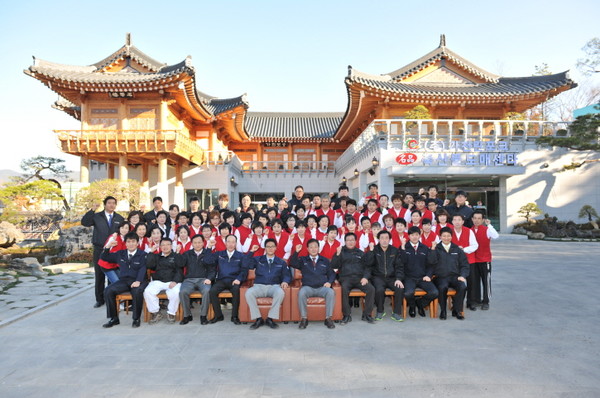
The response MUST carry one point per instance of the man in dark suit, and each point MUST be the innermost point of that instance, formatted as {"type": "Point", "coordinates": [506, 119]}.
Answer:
{"type": "Point", "coordinates": [151, 215]}
{"type": "Point", "coordinates": [317, 278]}
{"type": "Point", "coordinates": [132, 278]}
{"type": "Point", "coordinates": [232, 269]}
{"type": "Point", "coordinates": [104, 223]}
{"type": "Point", "coordinates": [272, 276]}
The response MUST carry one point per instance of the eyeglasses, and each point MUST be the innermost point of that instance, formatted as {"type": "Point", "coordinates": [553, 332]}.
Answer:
{"type": "Point", "coordinates": [270, 247]}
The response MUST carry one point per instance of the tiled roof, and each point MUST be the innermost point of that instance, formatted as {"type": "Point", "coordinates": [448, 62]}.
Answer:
{"type": "Point", "coordinates": [442, 52]}
{"type": "Point", "coordinates": [220, 105]}
{"type": "Point", "coordinates": [134, 53]}
{"type": "Point", "coordinates": [503, 87]}
{"type": "Point", "coordinates": [63, 104]}
{"type": "Point", "coordinates": [291, 126]}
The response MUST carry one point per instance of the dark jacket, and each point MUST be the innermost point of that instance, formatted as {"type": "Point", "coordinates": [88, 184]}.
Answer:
{"type": "Point", "coordinates": [273, 274]}
{"type": "Point", "coordinates": [168, 269]}
{"type": "Point", "coordinates": [231, 269]}
{"type": "Point", "coordinates": [129, 270]}
{"type": "Point", "coordinates": [198, 265]}
{"type": "Point", "coordinates": [386, 264]}
{"type": "Point", "coordinates": [100, 224]}
{"type": "Point", "coordinates": [313, 276]}
{"type": "Point", "coordinates": [351, 264]}
{"type": "Point", "coordinates": [466, 211]}
{"type": "Point", "coordinates": [449, 264]}
{"type": "Point", "coordinates": [416, 265]}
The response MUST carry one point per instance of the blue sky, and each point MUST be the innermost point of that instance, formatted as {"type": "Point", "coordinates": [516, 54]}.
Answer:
{"type": "Point", "coordinates": [287, 56]}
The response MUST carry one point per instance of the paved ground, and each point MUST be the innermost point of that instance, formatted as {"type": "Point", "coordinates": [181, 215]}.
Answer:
{"type": "Point", "coordinates": [541, 337]}
{"type": "Point", "coordinates": [31, 292]}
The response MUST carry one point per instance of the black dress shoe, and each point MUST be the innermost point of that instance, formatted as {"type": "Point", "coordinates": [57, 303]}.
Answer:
{"type": "Point", "coordinates": [411, 312]}
{"type": "Point", "coordinates": [136, 323]}
{"type": "Point", "coordinates": [346, 319]}
{"type": "Point", "coordinates": [485, 306]}
{"type": "Point", "coordinates": [257, 323]}
{"type": "Point", "coordinates": [186, 320]}
{"type": "Point", "coordinates": [443, 315]}
{"type": "Point", "coordinates": [236, 320]}
{"type": "Point", "coordinates": [472, 307]}
{"type": "Point", "coordinates": [420, 309]}
{"type": "Point", "coordinates": [454, 313]}
{"type": "Point", "coordinates": [329, 323]}
{"type": "Point", "coordinates": [303, 323]}
{"type": "Point", "coordinates": [270, 323]}
{"type": "Point", "coordinates": [98, 304]}
{"type": "Point", "coordinates": [203, 320]}
{"type": "Point", "coordinates": [460, 317]}
{"type": "Point", "coordinates": [112, 322]}
{"type": "Point", "coordinates": [368, 319]}
{"type": "Point", "coordinates": [217, 319]}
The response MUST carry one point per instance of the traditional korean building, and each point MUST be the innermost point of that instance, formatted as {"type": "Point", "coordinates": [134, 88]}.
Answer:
{"type": "Point", "coordinates": [147, 120]}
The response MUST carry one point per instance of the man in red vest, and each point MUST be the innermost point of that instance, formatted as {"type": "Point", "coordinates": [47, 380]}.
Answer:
{"type": "Point", "coordinates": [464, 238]}
{"type": "Point", "coordinates": [481, 272]}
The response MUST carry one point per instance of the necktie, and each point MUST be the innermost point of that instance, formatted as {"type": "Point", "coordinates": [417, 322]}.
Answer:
{"type": "Point", "coordinates": [314, 262]}
{"type": "Point", "coordinates": [110, 216]}
{"type": "Point", "coordinates": [130, 255]}
{"type": "Point", "coordinates": [270, 262]}
{"type": "Point", "coordinates": [415, 246]}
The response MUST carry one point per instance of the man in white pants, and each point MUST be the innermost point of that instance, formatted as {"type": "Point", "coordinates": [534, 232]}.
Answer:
{"type": "Point", "coordinates": [168, 275]}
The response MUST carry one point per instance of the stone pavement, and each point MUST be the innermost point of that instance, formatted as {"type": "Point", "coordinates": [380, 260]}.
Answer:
{"type": "Point", "coordinates": [32, 292]}
{"type": "Point", "coordinates": [541, 338]}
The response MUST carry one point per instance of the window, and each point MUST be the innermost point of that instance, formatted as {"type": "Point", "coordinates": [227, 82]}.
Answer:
{"type": "Point", "coordinates": [207, 197]}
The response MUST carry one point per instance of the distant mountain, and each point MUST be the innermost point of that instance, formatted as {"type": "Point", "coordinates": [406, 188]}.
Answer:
{"type": "Point", "coordinates": [6, 174]}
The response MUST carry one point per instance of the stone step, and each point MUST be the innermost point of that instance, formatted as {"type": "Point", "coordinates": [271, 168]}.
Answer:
{"type": "Point", "coordinates": [65, 267]}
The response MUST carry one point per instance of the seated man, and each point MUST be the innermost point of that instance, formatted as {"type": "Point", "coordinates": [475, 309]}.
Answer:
{"type": "Point", "coordinates": [232, 268]}
{"type": "Point", "coordinates": [272, 276]}
{"type": "Point", "coordinates": [132, 278]}
{"type": "Point", "coordinates": [201, 270]}
{"type": "Point", "coordinates": [353, 273]}
{"type": "Point", "coordinates": [451, 270]}
{"type": "Point", "coordinates": [417, 273]}
{"type": "Point", "coordinates": [168, 275]}
{"type": "Point", "coordinates": [388, 271]}
{"type": "Point", "coordinates": [317, 278]}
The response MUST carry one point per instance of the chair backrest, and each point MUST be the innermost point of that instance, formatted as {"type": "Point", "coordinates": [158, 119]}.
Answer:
{"type": "Point", "coordinates": [251, 275]}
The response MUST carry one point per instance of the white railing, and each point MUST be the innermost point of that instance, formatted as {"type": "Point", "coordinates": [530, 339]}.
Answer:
{"type": "Point", "coordinates": [289, 167]}
{"type": "Point", "coordinates": [398, 133]}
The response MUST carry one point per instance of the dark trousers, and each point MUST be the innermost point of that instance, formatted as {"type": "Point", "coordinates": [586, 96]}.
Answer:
{"type": "Point", "coordinates": [354, 283]}
{"type": "Point", "coordinates": [479, 276]}
{"type": "Point", "coordinates": [217, 288]}
{"type": "Point", "coordinates": [380, 285]}
{"type": "Point", "coordinates": [99, 277]}
{"type": "Point", "coordinates": [409, 292]}
{"type": "Point", "coordinates": [458, 300]}
{"type": "Point", "coordinates": [121, 286]}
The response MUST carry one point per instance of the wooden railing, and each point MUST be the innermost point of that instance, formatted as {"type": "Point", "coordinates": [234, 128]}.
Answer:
{"type": "Point", "coordinates": [130, 142]}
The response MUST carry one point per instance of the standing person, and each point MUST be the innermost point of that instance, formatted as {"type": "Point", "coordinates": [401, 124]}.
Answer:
{"type": "Point", "coordinates": [460, 207]}
{"type": "Point", "coordinates": [418, 273]}
{"type": "Point", "coordinates": [297, 199]}
{"type": "Point", "coordinates": [353, 273]}
{"type": "Point", "coordinates": [281, 238]}
{"type": "Point", "coordinates": [374, 194]}
{"type": "Point", "coordinates": [432, 191]}
{"type": "Point", "coordinates": [483, 259]}
{"type": "Point", "coordinates": [317, 278]}
{"type": "Point", "coordinates": [132, 264]}
{"type": "Point", "coordinates": [343, 192]}
{"type": "Point", "coordinates": [232, 269]}
{"type": "Point", "coordinates": [223, 203]}
{"type": "Point", "coordinates": [372, 212]}
{"type": "Point", "coordinates": [194, 204]}
{"type": "Point", "coordinates": [167, 276]}
{"type": "Point", "coordinates": [114, 243]}
{"type": "Point", "coordinates": [398, 210]}
{"type": "Point", "coordinates": [157, 204]}
{"type": "Point", "coordinates": [246, 205]}
{"type": "Point", "coordinates": [330, 244]}
{"type": "Point", "coordinates": [451, 269]}
{"type": "Point", "coordinates": [272, 276]}
{"type": "Point", "coordinates": [104, 223]}
{"type": "Point", "coordinates": [201, 270]}
{"type": "Point", "coordinates": [161, 222]}
{"type": "Point", "coordinates": [387, 270]}
{"type": "Point", "coordinates": [464, 238]}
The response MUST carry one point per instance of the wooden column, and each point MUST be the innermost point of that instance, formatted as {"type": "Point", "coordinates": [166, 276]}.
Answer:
{"type": "Point", "coordinates": [123, 172]}
{"type": "Point", "coordinates": [178, 195]}
{"type": "Point", "coordinates": [84, 170]}
{"type": "Point", "coordinates": [110, 171]}
{"type": "Point", "coordinates": [162, 189]}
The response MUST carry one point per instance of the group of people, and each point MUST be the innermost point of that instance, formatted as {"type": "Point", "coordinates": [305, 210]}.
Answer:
{"type": "Point", "coordinates": [400, 243]}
